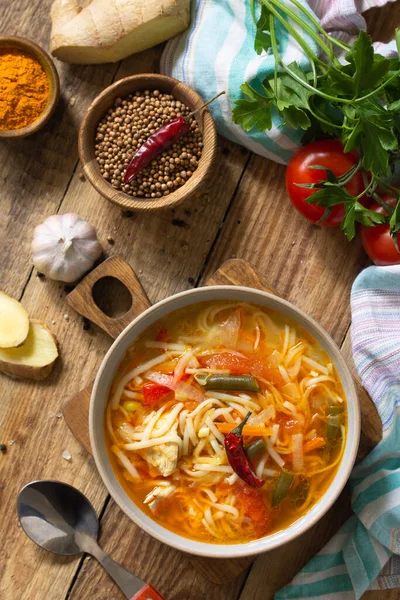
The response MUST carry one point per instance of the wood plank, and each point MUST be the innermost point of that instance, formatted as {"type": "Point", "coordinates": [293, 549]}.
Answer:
{"type": "Point", "coordinates": [313, 267]}
{"type": "Point", "coordinates": [315, 272]}
{"type": "Point", "coordinates": [239, 272]}
{"type": "Point", "coordinates": [76, 410]}
{"type": "Point", "coordinates": [167, 251]}
{"type": "Point", "coordinates": [273, 570]}
{"type": "Point", "coordinates": [27, 410]}
{"type": "Point", "coordinates": [168, 570]}
{"type": "Point", "coordinates": [344, 262]}
{"type": "Point", "coordinates": [35, 172]}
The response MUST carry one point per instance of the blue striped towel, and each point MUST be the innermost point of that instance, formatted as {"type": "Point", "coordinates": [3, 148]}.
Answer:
{"type": "Point", "coordinates": [365, 553]}
{"type": "Point", "coordinates": [217, 53]}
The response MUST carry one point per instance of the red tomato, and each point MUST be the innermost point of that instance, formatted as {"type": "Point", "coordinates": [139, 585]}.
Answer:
{"type": "Point", "coordinates": [254, 507]}
{"type": "Point", "coordinates": [377, 241]}
{"type": "Point", "coordinates": [287, 422]}
{"type": "Point", "coordinates": [153, 392]}
{"type": "Point", "coordinates": [328, 153]}
{"type": "Point", "coordinates": [238, 365]}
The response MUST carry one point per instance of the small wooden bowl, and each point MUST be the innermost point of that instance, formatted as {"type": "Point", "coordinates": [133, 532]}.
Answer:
{"type": "Point", "coordinates": [105, 100]}
{"type": "Point", "coordinates": [11, 41]}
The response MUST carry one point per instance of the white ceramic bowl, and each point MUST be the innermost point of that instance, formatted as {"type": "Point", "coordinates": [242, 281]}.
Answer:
{"type": "Point", "coordinates": [99, 400]}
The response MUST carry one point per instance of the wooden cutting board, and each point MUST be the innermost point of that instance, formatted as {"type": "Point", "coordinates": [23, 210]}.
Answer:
{"type": "Point", "coordinates": [76, 411]}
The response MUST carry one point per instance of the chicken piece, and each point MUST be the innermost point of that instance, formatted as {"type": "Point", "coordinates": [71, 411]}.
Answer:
{"type": "Point", "coordinates": [163, 457]}
{"type": "Point", "coordinates": [157, 494]}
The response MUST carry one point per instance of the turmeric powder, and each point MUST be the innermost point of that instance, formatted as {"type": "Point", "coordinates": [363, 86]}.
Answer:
{"type": "Point", "coordinates": [24, 89]}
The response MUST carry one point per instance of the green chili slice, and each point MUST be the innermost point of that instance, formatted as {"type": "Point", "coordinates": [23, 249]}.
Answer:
{"type": "Point", "coordinates": [282, 487]}
{"type": "Point", "coordinates": [255, 448]}
{"type": "Point", "coordinates": [242, 383]}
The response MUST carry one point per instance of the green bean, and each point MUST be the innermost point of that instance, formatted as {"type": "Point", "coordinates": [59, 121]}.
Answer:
{"type": "Point", "coordinates": [131, 405]}
{"type": "Point", "coordinates": [336, 409]}
{"type": "Point", "coordinates": [246, 383]}
{"type": "Point", "coordinates": [282, 487]}
{"type": "Point", "coordinates": [255, 448]}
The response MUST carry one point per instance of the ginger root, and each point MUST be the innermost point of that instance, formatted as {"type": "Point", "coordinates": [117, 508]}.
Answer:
{"type": "Point", "coordinates": [109, 30]}
{"type": "Point", "coordinates": [14, 322]}
{"type": "Point", "coordinates": [35, 358]}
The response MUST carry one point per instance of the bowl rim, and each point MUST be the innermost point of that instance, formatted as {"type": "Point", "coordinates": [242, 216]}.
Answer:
{"type": "Point", "coordinates": [168, 537]}
{"type": "Point", "coordinates": [54, 83]}
{"type": "Point", "coordinates": [122, 199]}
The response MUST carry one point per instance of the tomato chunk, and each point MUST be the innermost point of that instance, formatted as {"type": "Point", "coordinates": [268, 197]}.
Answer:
{"type": "Point", "coordinates": [242, 365]}
{"type": "Point", "coordinates": [254, 507]}
{"type": "Point", "coordinates": [287, 422]}
{"type": "Point", "coordinates": [153, 392]}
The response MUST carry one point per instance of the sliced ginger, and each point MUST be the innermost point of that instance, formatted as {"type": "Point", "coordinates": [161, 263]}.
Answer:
{"type": "Point", "coordinates": [14, 322]}
{"type": "Point", "coordinates": [35, 358]}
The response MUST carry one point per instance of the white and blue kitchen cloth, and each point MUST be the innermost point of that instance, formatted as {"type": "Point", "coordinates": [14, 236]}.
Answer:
{"type": "Point", "coordinates": [365, 553]}
{"type": "Point", "coordinates": [217, 53]}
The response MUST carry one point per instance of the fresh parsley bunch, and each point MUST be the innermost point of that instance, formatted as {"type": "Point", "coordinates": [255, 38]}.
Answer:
{"type": "Point", "coordinates": [357, 102]}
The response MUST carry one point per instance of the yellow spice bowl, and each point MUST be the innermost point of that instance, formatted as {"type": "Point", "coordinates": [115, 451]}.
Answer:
{"type": "Point", "coordinates": [15, 42]}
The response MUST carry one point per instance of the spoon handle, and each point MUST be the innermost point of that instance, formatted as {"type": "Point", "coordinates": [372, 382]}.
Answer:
{"type": "Point", "coordinates": [148, 593]}
{"type": "Point", "coordinates": [128, 583]}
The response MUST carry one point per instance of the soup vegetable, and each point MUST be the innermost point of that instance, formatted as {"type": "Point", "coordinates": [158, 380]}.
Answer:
{"type": "Point", "coordinates": [226, 422]}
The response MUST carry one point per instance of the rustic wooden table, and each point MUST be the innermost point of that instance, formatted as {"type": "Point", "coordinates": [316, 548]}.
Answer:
{"type": "Point", "coordinates": [243, 213]}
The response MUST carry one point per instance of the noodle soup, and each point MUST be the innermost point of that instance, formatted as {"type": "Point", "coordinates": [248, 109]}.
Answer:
{"type": "Point", "coordinates": [182, 388]}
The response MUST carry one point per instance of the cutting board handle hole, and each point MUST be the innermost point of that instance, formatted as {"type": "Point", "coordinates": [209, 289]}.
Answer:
{"type": "Point", "coordinates": [112, 297]}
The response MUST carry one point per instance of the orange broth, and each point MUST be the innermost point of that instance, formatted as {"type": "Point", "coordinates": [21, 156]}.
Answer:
{"type": "Point", "coordinates": [300, 392]}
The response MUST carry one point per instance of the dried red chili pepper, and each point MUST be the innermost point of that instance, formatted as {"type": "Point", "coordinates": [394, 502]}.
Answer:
{"type": "Point", "coordinates": [159, 141]}
{"type": "Point", "coordinates": [238, 458]}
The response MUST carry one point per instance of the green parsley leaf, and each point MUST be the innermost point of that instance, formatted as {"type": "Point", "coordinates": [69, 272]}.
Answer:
{"type": "Point", "coordinates": [351, 142]}
{"type": "Point", "coordinates": [252, 93]}
{"type": "Point", "coordinates": [355, 212]}
{"type": "Point", "coordinates": [339, 82]}
{"type": "Point", "coordinates": [370, 68]}
{"type": "Point", "coordinates": [375, 136]}
{"type": "Point", "coordinates": [329, 196]}
{"type": "Point", "coordinates": [253, 113]}
{"type": "Point", "coordinates": [330, 175]}
{"type": "Point", "coordinates": [298, 94]}
{"type": "Point", "coordinates": [262, 41]}
{"type": "Point", "coordinates": [295, 117]}
{"type": "Point", "coordinates": [375, 157]}
{"type": "Point", "coordinates": [361, 56]}
{"type": "Point", "coordinates": [394, 106]}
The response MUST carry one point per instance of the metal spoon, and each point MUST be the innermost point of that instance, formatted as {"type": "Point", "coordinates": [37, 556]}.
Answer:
{"type": "Point", "coordinates": [60, 519]}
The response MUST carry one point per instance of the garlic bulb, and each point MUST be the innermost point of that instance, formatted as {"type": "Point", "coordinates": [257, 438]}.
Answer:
{"type": "Point", "coordinates": [64, 247]}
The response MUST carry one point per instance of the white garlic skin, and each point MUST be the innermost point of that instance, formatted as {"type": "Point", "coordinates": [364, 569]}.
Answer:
{"type": "Point", "coordinates": [64, 247]}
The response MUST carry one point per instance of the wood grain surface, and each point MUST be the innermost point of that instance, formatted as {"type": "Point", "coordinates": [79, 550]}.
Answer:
{"type": "Point", "coordinates": [76, 410]}
{"type": "Point", "coordinates": [242, 212]}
